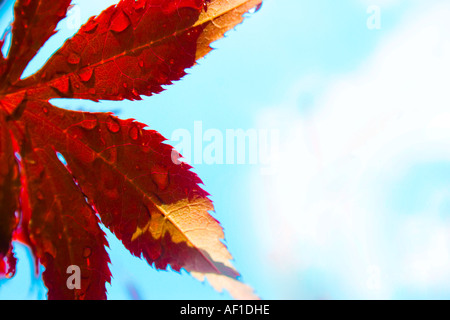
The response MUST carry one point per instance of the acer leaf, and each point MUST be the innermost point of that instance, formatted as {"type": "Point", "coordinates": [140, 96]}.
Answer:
{"type": "Point", "coordinates": [75, 165]}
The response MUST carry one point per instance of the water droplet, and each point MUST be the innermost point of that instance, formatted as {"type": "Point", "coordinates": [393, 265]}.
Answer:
{"type": "Point", "coordinates": [73, 58]}
{"type": "Point", "coordinates": [110, 154]}
{"type": "Point", "coordinates": [61, 85]}
{"type": "Point", "coordinates": [86, 74]}
{"type": "Point", "coordinates": [89, 124]}
{"type": "Point", "coordinates": [134, 133]}
{"type": "Point", "coordinates": [120, 22]}
{"type": "Point", "coordinates": [113, 125]}
{"type": "Point", "coordinates": [87, 252]}
{"type": "Point", "coordinates": [139, 5]}
{"type": "Point", "coordinates": [160, 176]}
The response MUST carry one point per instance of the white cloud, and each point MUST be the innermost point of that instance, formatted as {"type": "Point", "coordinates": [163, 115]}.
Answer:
{"type": "Point", "coordinates": [324, 208]}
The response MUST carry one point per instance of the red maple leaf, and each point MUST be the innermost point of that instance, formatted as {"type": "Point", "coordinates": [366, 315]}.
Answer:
{"type": "Point", "coordinates": [113, 169]}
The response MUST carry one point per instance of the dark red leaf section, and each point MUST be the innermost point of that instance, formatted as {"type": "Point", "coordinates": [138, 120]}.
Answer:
{"type": "Point", "coordinates": [34, 23]}
{"type": "Point", "coordinates": [9, 196]}
{"type": "Point", "coordinates": [64, 230]}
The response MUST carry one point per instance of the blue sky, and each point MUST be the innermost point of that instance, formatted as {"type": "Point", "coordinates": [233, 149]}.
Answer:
{"type": "Point", "coordinates": [355, 204]}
